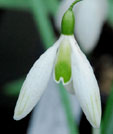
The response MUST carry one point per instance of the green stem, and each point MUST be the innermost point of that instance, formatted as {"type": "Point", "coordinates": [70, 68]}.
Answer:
{"type": "Point", "coordinates": [68, 111]}
{"type": "Point", "coordinates": [107, 122]}
{"type": "Point", "coordinates": [72, 5]}
{"type": "Point", "coordinates": [96, 130]}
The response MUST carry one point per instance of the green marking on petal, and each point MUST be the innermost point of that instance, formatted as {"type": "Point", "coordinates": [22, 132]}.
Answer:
{"type": "Point", "coordinates": [63, 62]}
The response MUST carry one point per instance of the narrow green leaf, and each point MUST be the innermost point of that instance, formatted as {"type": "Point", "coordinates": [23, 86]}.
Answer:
{"type": "Point", "coordinates": [110, 12]}
{"type": "Point", "coordinates": [16, 4]}
{"type": "Point", "coordinates": [107, 124]}
{"type": "Point", "coordinates": [52, 5]}
{"type": "Point", "coordinates": [43, 22]}
{"type": "Point", "coordinates": [13, 88]}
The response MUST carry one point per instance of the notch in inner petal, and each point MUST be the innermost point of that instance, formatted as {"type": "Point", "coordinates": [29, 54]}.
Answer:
{"type": "Point", "coordinates": [63, 63]}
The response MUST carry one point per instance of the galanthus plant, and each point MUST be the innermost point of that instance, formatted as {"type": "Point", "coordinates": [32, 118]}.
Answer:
{"type": "Point", "coordinates": [67, 64]}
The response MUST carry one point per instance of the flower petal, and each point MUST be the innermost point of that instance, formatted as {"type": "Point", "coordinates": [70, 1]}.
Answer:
{"type": "Point", "coordinates": [62, 69]}
{"type": "Point", "coordinates": [85, 85]}
{"type": "Point", "coordinates": [69, 87]}
{"type": "Point", "coordinates": [35, 83]}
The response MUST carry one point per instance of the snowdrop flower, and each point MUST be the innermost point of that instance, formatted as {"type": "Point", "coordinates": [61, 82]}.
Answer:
{"type": "Point", "coordinates": [67, 63]}
{"type": "Point", "coordinates": [90, 17]}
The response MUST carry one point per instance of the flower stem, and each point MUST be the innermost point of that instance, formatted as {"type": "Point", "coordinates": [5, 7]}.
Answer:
{"type": "Point", "coordinates": [72, 5]}
{"type": "Point", "coordinates": [96, 130]}
{"type": "Point", "coordinates": [68, 111]}
{"type": "Point", "coordinates": [107, 122]}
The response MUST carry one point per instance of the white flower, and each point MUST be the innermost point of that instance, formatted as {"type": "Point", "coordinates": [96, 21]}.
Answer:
{"type": "Point", "coordinates": [90, 17]}
{"type": "Point", "coordinates": [66, 62]}
{"type": "Point", "coordinates": [68, 65]}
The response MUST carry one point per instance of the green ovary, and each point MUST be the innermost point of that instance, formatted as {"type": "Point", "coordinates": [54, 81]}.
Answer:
{"type": "Point", "coordinates": [63, 62]}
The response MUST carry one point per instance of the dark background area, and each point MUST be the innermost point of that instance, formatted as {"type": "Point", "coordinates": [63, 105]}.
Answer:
{"type": "Point", "coordinates": [20, 46]}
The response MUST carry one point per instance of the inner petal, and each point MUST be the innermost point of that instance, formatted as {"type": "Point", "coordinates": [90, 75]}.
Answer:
{"type": "Point", "coordinates": [63, 62]}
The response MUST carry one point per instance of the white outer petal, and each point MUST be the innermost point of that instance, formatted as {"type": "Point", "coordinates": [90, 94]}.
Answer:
{"type": "Point", "coordinates": [36, 82]}
{"type": "Point", "coordinates": [85, 85]}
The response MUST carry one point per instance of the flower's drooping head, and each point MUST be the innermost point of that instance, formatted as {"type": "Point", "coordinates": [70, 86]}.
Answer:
{"type": "Point", "coordinates": [66, 63]}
